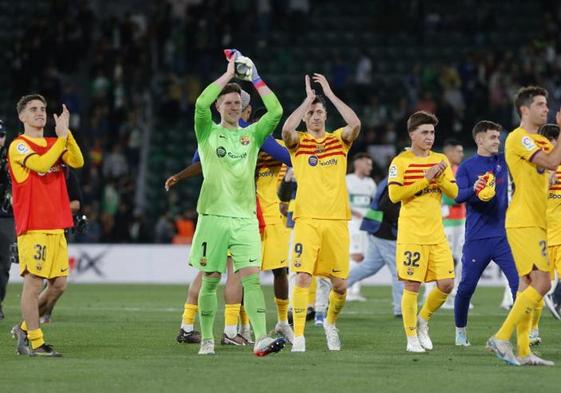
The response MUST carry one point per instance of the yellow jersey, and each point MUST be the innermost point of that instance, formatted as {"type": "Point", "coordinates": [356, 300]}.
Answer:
{"type": "Point", "coordinates": [530, 183]}
{"type": "Point", "coordinates": [269, 174]}
{"type": "Point", "coordinates": [554, 212]}
{"type": "Point", "coordinates": [420, 217]}
{"type": "Point", "coordinates": [320, 167]}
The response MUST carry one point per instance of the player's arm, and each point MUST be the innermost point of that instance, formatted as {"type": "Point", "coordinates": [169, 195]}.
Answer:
{"type": "Point", "coordinates": [22, 155]}
{"type": "Point", "coordinates": [466, 191]}
{"type": "Point", "coordinates": [289, 133]}
{"type": "Point", "coordinates": [352, 129]}
{"type": "Point", "coordinates": [191, 171]}
{"type": "Point", "coordinates": [549, 160]}
{"type": "Point", "coordinates": [447, 182]}
{"type": "Point", "coordinates": [73, 155]}
{"type": "Point", "coordinates": [276, 150]}
{"type": "Point", "coordinates": [203, 115]}
{"type": "Point", "coordinates": [399, 192]}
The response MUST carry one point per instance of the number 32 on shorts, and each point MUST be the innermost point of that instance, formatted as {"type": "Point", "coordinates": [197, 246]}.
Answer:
{"type": "Point", "coordinates": [411, 258]}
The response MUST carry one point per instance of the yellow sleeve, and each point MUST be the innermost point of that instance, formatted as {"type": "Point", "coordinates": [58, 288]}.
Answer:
{"type": "Point", "coordinates": [396, 190]}
{"type": "Point", "coordinates": [338, 134]}
{"type": "Point", "coordinates": [73, 155]}
{"type": "Point", "coordinates": [447, 181]}
{"type": "Point", "coordinates": [522, 146]}
{"type": "Point", "coordinates": [21, 156]}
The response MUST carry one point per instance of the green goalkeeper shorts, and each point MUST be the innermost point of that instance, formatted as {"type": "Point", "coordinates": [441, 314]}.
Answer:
{"type": "Point", "coordinates": [217, 237]}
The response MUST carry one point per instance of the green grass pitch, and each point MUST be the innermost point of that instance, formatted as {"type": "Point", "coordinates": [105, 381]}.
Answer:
{"type": "Point", "coordinates": [121, 338]}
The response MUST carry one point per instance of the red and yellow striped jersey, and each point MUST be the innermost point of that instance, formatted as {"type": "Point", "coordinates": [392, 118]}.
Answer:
{"type": "Point", "coordinates": [420, 217]}
{"type": "Point", "coordinates": [554, 212]}
{"type": "Point", "coordinates": [269, 174]}
{"type": "Point", "coordinates": [530, 182]}
{"type": "Point", "coordinates": [320, 166]}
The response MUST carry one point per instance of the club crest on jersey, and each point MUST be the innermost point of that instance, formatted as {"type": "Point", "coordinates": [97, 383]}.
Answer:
{"type": "Point", "coordinates": [297, 263]}
{"type": "Point", "coordinates": [313, 160]}
{"type": "Point", "coordinates": [244, 140]}
{"type": "Point", "coordinates": [320, 148]}
{"type": "Point", "coordinates": [220, 151]}
{"type": "Point", "coordinates": [528, 143]}
{"type": "Point", "coordinates": [22, 148]}
{"type": "Point", "coordinates": [410, 271]}
{"type": "Point", "coordinates": [203, 261]}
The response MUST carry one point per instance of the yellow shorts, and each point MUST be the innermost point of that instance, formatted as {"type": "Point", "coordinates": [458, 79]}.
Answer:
{"type": "Point", "coordinates": [529, 249]}
{"type": "Point", "coordinates": [321, 247]}
{"type": "Point", "coordinates": [555, 260]}
{"type": "Point", "coordinates": [424, 262]}
{"type": "Point", "coordinates": [43, 254]}
{"type": "Point", "coordinates": [275, 244]}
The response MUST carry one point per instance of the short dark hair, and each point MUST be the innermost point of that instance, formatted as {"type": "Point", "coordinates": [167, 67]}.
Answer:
{"type": "Point", "coordinates": [525, 96]}
{"type": "Point", "coordinates": [550, 131]}
{"type": "Point", "coordinates": [451, 143]}
{"type": "Point", "coordinates": [360, 156]}
{"type": "Point", "coordinates": [320, 100]}
{"type": "Point", "coordinates": [419, 118]}
{"type": "Point", "coordinates": [483, 126]}
{"type": "Point", "coordinates": [23, 101]}
{"type": "Point", "coordinates": [230, 88]}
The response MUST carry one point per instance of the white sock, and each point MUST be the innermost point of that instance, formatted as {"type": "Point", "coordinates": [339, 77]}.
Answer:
{"type": "Point", "coordinates": [460, 330]}
{"type": "Point", "coordinates": [187, 328]}
{"type": "Point", "coordinates": [230, 330]}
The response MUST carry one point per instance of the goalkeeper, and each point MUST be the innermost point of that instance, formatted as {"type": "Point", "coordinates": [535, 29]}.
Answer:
{"type": "Point", "coordinates": [226, 204]}
{"type": "Point", "coordinates": [483, 185]}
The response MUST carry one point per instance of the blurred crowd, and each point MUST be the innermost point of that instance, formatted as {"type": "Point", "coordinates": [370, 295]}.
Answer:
{"type": "Point", "coordinates": [124, 74]}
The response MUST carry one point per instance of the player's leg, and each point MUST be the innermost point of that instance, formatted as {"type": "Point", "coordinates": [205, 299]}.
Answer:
{"type": "Point", "coordinates": [323, 287]}
{"type": "Point", "coordinates": [550, 301]}
{"type": "Point", "coordinates": [508, 297]}
{"type": "Point", "coordinates": [357, 252]}
{"type": "Point", "coordinates": [476, 257]}
{"type": "Point", "coordinates": [387, 251]}
{"type": "Point", "coordinates": [232, 304]}
{"type": "Point", "coordinates": [529, 249]}
{"type": "Point", "coordinates": [412, 264]}
{"type": "Point", "coordinates": [275, 258]}
{"type": "Point", "coordinates": [333, 261]}
{"type": "Point", "coordinates": [245, 246]}
{"type": "Point", "coordinates": [372, 263]}
{"type": "Point", "coordinates": [440, 268]}
{"type": "Point", "coordinates": [49, 297]}
{"type": "Point", "coordinates": [307, 240]}
{"type": "Point", "coordinates": [208, 254]}
{"type": "Point", "coordinates": [458, 237]}
{"type": "Point", "coordinates": [187, 333]}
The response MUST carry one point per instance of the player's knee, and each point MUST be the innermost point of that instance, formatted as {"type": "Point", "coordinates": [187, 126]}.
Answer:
{"type": "Point", "coordinates": [339, 286]}
{"type": "Point", "coordinates": [412, 286]}
{"type": "Point", "coordinates": [445, 286]}
{"type": "Point", "coordinates": [303, 280]}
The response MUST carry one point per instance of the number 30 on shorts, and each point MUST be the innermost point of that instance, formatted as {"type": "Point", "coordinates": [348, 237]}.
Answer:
{"type": "Point", "coordinates": [411, 258]}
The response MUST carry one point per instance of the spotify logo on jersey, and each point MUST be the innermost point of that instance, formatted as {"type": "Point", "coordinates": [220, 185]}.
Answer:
{"type": "Point", "coordinates": [313, 160]}
{"type": "Point", "coordinates": [220, 151]}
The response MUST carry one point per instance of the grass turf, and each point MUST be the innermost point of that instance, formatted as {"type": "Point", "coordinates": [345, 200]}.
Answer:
{"type": "Point", "coordinates": [119, 338]}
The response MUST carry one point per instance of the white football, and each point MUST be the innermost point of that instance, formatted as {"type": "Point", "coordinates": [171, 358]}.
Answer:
{"type": "Point", "coordinates": [244, 68]}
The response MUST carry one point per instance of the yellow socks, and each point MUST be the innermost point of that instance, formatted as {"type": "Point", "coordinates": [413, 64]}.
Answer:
{"type": "Point", "coordinates": [537, 314]}
{"type": "Point", "coordinates": [35, 337]}
{"type": "Point", "coordinates": [189, 314]}
{"type": "Point", "coordinates": [434, 301]}
{"type": "Point", "coordinates": [336, 304]}
{"type": "Point", "coordinates": [526, 301]}
{"type": "Point", "coordinates": [282, 309]}
{"type": "Point", "coordinates": [231, 313]}
{"type": "Point", "coordinates": [409, 312]}
{"type": "Point", "coordinates": [299, 308]}
{"type": "Point", "coordinates": [312, 292]}
{"type": "Point", "coordinates": [23, 326]}
{"type": "Point", "coordinates": [244, 318]}
{"type": "Point", "coordinates": [523, 334]}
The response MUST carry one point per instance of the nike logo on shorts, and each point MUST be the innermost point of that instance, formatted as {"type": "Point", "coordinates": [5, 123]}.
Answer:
{"type": "Point", "coordinates": [252, 260]}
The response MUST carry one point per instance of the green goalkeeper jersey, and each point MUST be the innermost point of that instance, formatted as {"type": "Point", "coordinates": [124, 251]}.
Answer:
{"type": "Point", "coordinates": [228, 157]}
